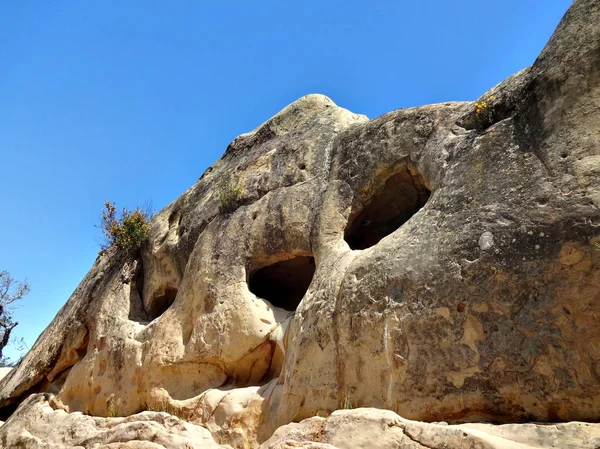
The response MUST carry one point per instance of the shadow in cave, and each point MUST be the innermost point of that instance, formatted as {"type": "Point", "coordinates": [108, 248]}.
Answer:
{"type": "Point", "coordinates": [159, 303]}
{"type": "Point", "coordinates": [283, 283]}
{"type": "Point", "coordinates": [402, 195]}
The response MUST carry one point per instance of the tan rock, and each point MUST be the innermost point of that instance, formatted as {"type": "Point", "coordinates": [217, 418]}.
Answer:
{"type": "Point", "coordinates": [36, 425]}
{"type": "Point", "coordinates": [383, 429]}
{"type": "Point", "coordinates": [431, 261]}
{"type": "Point", "coordinates": [4, 372]}
{"type": "Point", "coordinates": [570, 255]}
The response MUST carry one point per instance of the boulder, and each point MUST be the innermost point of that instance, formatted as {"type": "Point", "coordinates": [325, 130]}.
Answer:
{"type": "Point", "coordinates": [42, 423]}
{"type": "Point", "coordinates": [367, 428]}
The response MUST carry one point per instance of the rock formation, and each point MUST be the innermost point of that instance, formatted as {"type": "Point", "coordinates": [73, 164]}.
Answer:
{"type": "Point", "coordinates": [440, 262]}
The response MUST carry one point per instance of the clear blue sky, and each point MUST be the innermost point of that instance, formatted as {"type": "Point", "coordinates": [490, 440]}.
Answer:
{"type": "Point", "coordinates": [132, 100]}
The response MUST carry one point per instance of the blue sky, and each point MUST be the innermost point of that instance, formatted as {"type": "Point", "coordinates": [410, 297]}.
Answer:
{"type": "Point", "coordinates": [132, 101]}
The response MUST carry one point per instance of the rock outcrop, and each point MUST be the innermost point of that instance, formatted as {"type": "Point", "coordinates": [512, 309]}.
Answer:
{"type": "Point", "coordinates": [383, 429]}
{"type": "Point", "coordinates": [53, 428]}
{"type": "Point", "coordinates": [441, 262]}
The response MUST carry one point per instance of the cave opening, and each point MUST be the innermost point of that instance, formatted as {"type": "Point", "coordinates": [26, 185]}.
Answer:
{"type": "Point", "coordinates": [402, 195]}
{"type": "Point", "coordinates": [161, 302]}
{"type": "Point", "coordinates": [283, 283]}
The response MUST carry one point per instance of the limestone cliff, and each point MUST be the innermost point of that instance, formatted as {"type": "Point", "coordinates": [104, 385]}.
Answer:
{"type": "Point", "coordinates": [441, 262]}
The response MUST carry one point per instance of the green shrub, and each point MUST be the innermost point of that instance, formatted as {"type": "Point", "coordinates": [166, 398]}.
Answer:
{"type": "Point", "coordinates": [126, 231]}
{"type": "Point", "coordinates": [230, 194]}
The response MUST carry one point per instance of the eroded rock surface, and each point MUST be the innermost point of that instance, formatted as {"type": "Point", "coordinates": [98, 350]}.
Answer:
{"type": "Point", "coordinates": [369, 428]}
{"type": "Point", "coordinates": [436, 262]}
{"type": "Point", "coordinates": [40, 423]}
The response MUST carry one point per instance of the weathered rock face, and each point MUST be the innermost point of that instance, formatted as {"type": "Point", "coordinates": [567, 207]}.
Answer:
{"type": "Point", "coordinates": [344, 429]}
{"type": "Point", "coordinates": [435, 261]}
{"type": "Point", "coordinates": [56, 429]}
{"type": "Point", "coordinates": [383, 429]}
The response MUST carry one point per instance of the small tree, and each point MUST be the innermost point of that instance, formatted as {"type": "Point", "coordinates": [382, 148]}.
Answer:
{"type": "Point", "coordinates": [10, 292]}
{"type": "Point", "coordinates": [126, 231]}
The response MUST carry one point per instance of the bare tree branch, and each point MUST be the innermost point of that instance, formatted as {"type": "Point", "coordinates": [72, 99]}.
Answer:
{"type": "Point", "coordinates": [10, 291]}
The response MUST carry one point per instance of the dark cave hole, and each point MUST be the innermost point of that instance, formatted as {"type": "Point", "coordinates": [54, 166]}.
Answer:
{"type": "Point", "coordinates": [283, 283]}
{"type": "Point", "coordinates": [146, 311]}
{"type": "Point", "coordinates": [161, 303]}
{"type": "Point", "coordinates": [402, 195]}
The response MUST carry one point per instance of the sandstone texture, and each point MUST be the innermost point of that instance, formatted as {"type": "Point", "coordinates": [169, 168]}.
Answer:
{"type": "Point", "coordinates": [436, 262]}
{"type": "Point", "coordinates": [51, 427]}
{"type": "Point", "coordinates": [382, 429]}
{"type": "Point", "coordinates": [4, 372]}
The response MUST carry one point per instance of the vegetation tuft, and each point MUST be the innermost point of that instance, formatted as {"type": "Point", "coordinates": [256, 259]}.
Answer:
{"type": "Point", "coordinates": [126, 231]}
{"type": "Point", "coordinates": [484, 115]}
{"type": "Point", "coordinates": [230, 194]}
